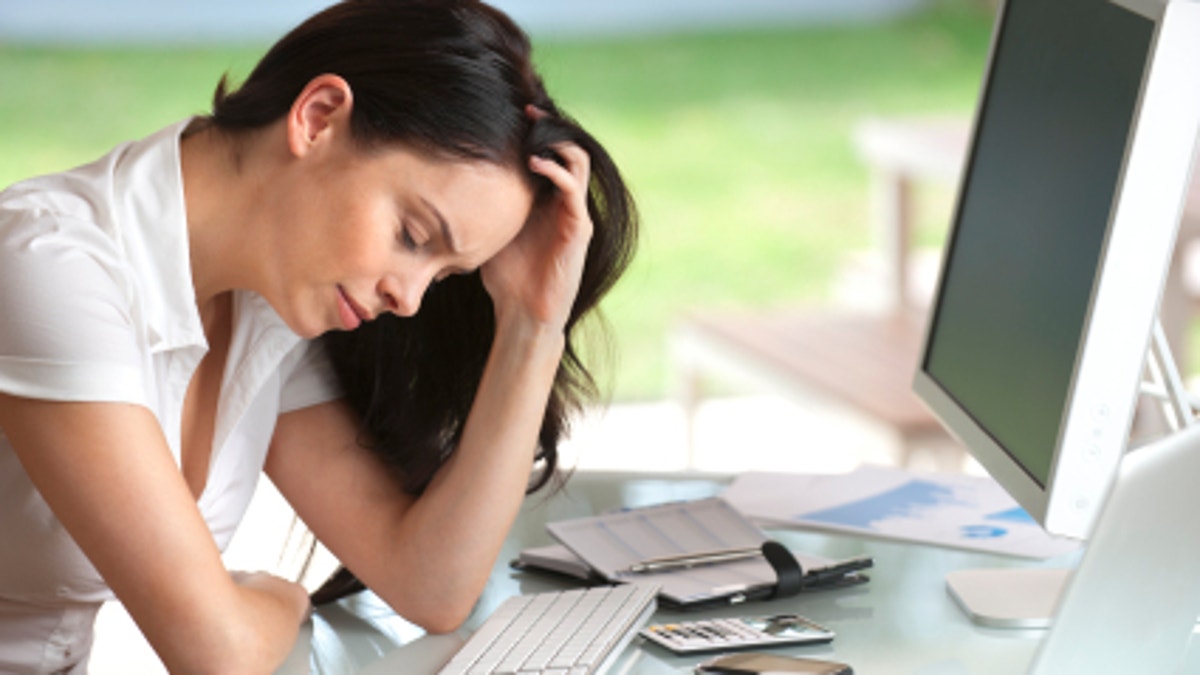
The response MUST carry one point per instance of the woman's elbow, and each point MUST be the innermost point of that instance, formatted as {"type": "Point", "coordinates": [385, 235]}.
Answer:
{"type": "Point", "coordinates": [443, 621]}
{"type": "Point", "coordinates": [436, 617]}
{"type": "Point", "coordinates": [441, 627]}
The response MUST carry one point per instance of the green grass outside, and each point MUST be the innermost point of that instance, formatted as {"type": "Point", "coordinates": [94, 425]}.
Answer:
{"type": "Point", "coordinates": [736, 144]}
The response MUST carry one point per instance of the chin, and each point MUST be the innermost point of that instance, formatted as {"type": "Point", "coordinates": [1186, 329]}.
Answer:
{"type": "Point", "coordinates": [306, 330]}
{"type": "Point", "coordinates": [306, 324]}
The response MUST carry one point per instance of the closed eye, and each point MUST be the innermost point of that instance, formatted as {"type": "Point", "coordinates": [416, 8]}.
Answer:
{"type": "Point", "coordinates": [410, 237]}
{"type": "Point", "coordinates": [406, 240]}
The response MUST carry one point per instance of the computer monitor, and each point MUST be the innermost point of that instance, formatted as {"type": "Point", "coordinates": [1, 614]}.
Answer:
{"type": "Point", "coordinates": [1063, 232]}
{"type": "Point", "coordinates": [1060, 245]}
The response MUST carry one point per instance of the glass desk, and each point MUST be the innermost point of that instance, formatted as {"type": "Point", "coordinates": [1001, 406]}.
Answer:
{"type": "Point", "coordinates": [902, 621]}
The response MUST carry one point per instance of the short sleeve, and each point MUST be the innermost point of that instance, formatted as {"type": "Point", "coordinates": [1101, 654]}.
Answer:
{"type": "Point", "coordinates": [308, 378]}
{"type": "Point", "coordinates": [67, 331]}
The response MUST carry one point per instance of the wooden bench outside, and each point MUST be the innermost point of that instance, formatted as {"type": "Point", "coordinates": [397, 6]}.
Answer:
{"type": "Point", "coordinates": [865, 361]}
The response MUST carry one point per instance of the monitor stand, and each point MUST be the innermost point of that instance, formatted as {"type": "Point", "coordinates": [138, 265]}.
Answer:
{"type": "Point", "coordinates": [1008, 598]}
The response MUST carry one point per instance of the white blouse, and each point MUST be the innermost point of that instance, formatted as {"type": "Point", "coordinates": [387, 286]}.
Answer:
{"type": "Point", "coordinates": [97, 304]}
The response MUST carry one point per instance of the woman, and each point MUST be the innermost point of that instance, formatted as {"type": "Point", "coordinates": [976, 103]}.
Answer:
{"type": "Point", "coordinates": [239, 293]}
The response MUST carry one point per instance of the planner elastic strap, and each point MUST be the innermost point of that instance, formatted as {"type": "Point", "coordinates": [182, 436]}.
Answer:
{"type": "Point", "coordinates": [789, 574]}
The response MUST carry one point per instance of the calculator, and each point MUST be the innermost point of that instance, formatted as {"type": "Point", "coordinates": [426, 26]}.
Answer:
{"type": "Point", "coordinates": [740, 632]}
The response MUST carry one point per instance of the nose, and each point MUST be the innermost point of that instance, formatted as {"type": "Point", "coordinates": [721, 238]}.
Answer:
{"type": "Point", "coordinates": [400, 298]}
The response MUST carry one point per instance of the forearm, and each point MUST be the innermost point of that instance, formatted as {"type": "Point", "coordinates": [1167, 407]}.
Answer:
{"type": "Point", "coordinates": [133, 516]}
{"type": "Point", "coordinates": [451, 536]}
{"type": "Point", "coordinates": [247, 628]}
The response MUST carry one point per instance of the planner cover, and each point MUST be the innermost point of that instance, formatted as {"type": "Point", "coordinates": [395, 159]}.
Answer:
{"type": "Point", "coordinates": [610, 544]}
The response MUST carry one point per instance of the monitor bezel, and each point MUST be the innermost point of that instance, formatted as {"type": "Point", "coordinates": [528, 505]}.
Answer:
{"type": "Point", "coordinates": [1103, 393]}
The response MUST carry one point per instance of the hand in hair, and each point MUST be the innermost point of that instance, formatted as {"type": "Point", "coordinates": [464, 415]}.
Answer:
{"type": "Point", "coordinates": [537, 274]}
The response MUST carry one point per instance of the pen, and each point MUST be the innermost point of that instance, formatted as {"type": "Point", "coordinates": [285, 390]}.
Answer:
{"type": "Point", "coordinates": [673, 562]}
{"type": "Point", "coordinates": [837, 570]}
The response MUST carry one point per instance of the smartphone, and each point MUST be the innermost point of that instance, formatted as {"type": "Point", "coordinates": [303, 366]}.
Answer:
{"type": "Point", "coordinates": [756, 663]}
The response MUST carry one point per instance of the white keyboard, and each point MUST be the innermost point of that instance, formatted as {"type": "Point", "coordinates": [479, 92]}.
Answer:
{"type": "Point", "coordinates": [575, 632]}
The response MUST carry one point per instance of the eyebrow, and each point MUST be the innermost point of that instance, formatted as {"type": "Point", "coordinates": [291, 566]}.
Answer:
{"type": "Point", "coordinates": [445, 227]}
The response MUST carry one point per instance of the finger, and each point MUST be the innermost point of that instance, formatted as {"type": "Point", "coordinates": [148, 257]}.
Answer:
{"type": "Point", "coordinates": [535, 113]}
{"type": "Point", "coordinates": [572, 194]}
{"type": "Point", "coordinates": [576, 167]}
{"type": "Point", "coordinates": [578, 161]}
{"type": "Point", "coordinates": [551, 169]}
{"type": "Point", "coordinates": [568, 184]}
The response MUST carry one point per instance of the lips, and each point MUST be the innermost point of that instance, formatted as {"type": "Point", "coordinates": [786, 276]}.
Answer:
{"type": "Point", "coordinates": [351, 314]}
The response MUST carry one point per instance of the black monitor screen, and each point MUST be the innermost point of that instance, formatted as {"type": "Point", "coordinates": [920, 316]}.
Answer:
{"type": "Point", "coordinates": [1032, 217]}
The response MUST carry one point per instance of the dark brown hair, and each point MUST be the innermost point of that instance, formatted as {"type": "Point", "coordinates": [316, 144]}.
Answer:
{"type": "Point", "coordinates": [452, 78]}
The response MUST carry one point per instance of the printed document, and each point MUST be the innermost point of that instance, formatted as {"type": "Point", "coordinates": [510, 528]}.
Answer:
{"type": "Point", "coordinates": [960, 511]}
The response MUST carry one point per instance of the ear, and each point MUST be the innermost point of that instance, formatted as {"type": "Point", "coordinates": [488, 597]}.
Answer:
{"type": "Point", "coordinates": [319, 114]}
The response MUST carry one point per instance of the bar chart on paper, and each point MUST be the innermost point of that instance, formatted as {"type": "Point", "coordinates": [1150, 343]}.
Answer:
{"type": "Point", "coordinates": [970, 512]}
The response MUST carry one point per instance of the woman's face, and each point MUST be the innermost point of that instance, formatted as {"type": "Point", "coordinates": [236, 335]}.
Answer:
{"type": "Point", "coordinates": [367, 232]}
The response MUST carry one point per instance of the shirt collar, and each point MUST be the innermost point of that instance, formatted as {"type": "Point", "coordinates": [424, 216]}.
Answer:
{"type": "Point", "coordinates": [149, 205]}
